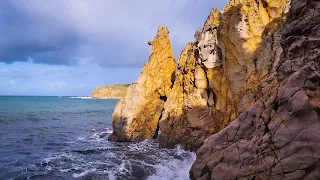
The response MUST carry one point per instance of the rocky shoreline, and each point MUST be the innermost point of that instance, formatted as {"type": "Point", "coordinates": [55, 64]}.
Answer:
{"type": "Point", "coordinates": [245, 94]}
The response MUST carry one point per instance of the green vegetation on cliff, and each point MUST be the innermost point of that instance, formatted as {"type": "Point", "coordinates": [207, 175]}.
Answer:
{"type": "Point", "coordinates": [110, 91]}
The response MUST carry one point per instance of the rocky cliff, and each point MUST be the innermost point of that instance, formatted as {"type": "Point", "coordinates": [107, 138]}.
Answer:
{"type": "Point", "coordinates": [278, 137]}
{"type": "Point", "coordinates": [110, 91]}
{"type": "Point", "coordinates": [249, 82]}
{"type": "Point", "coordinates": [136, 115]}
{"type": "Point", "coordinates": [233, 54]}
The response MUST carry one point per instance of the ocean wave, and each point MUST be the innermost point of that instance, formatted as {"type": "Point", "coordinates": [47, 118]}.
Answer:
{"type": "Point", "coordinates": [142, 160]}
{"type": "Point", "coordinates": [101, 136]}
{"type": "Point", "coordinates": [88, 97]}
{"type": "Point", "coordinates": [174, 168]}
{"type": "Point", "coordinates": [75, 175]}
{"type": "Point", "coordinates": [80, 97]}
{"type": "Point", "coordinates": [158, 163]}
{"type": "Point", "coordinates": [96, 136]}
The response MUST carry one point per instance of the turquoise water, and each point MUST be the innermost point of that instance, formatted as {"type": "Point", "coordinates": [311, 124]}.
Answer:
{"type": "Point", "coordinates": [66, 138]}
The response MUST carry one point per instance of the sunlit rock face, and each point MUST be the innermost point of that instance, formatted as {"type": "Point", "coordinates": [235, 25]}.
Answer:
{"type": "Point", "coordinates": [187, 116]}
{"type": "Point", "coordinates": [237, 48]}
{"type": "Point", "coordinates": [246, 93]}
{"type": "Point", "coordinates": [278, 136]}
{"type": "Point", "coordinates": [249, 39]}
{"type": "Point", "coordinates": [136, 115]}
{"type": "Point", "coordinates": [172, 120]}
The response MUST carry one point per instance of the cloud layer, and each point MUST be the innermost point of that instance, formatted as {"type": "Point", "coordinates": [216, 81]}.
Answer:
{"type": "Point", "coordinates": [108, 33]}
{"type": "Point", "coordinates": [69, 47]}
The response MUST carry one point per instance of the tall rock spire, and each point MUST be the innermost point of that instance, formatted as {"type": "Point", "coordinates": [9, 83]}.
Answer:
{"type": "Point", "coordinates": [136, 115]}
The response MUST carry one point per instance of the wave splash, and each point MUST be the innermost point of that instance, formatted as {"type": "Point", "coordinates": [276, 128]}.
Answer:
{"type": "Point", "coordinates": [175, 168]}
{"type": "Point", "coordinates": [109, 160]}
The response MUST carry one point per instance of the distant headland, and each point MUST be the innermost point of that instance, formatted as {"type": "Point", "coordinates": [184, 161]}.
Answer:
{"type": "Point", "coordinates": [110, 91]}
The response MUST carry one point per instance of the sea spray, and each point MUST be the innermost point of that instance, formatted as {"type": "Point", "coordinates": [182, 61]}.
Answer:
{"type": "Point", "coordinates": [174, 168]}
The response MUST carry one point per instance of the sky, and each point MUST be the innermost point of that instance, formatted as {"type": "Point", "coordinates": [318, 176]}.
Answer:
{"type": "Point", "coordinates": [70, 47]}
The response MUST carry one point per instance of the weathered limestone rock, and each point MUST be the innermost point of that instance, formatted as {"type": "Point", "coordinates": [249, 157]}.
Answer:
{"type": "Point", "coordinates": [187, 117]}
{"type": "Point", "coordinates": [234, 54]}
{"type": "Point", "coordinates": [110, 91]}
{"type": "Point", "coordinates": [183, 85]}
{"type": "Point", "coordinates": [278, 137]}
{"type": "Point", "coordinates": [137, 114]}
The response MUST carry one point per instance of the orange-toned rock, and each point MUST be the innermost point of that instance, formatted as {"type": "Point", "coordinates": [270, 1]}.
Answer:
{"type": "Point", "coordinates": [136, 115]}
{"type": "Point", "coordinates": [174, 122]}
{"type": "Point", "coordinates": [278, 136]}
{"type": "Point", "coordinates": [250, 82]}
{"type": "Point", "coordinates": [230, 60]}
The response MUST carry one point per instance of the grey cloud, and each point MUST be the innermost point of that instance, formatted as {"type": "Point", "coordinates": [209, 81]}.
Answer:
{"type": "Point", "coordinates": [110, 33]}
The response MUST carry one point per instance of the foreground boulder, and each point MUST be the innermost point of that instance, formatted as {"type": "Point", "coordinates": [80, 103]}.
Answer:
{"type": "Point", "coordinates": [278, 137]}
{"type": "Point", "coordinates": [136, 115]}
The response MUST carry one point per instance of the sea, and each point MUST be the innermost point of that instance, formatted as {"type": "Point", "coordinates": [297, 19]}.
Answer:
{"type": "Point", "coordinates": [51, 137]}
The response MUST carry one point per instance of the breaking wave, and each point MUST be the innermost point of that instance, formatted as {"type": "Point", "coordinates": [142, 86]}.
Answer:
{"type": "Point", "coordinates": [64, 138]}
{"type": "Point", "coordinates": [80, 97]}
{"type": "Point", "coordinates": [143, 160]}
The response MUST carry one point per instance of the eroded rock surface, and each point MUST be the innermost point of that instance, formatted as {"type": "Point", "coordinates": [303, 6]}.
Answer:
{"type": "Point", "coordinates": [136, 115]}
{"type": "Point", "coordinates": [278, 137]}
{"type": "Point", "coordinates": [231, 59]}
{"type": "Point", "coordinates": [186, 111]}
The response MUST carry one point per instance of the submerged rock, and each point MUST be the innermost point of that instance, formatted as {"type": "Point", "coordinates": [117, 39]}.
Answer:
{"type": "Point", "coordinates": [136, 115]}
{"type": "Point", "coordinates": [278, 137]}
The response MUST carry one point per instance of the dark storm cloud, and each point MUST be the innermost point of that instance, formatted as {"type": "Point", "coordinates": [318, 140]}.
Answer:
{"type": "Point", "coordinates": [25, 36]}
{"type": "Point", "coordinates": [109, 33]}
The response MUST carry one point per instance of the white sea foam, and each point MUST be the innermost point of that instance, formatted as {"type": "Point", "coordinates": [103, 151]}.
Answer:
{"type": "Point", "coordinates": [101, 136]}
{"type": "Point", "coordinates": [174, 168]}
{"type": "Point", "coordinates": [109, 131]}
{"type": "Point", "coordinates": [75, 175]}
{"type": "Point", "coordinates": [111, 176]}
{"type": "Point", "coordinates": [116, 162]}
{"type": "Point", "coordinates": [81, 97]}
{"type": "Point", "coordinates": [96, 137]}
{"type": "Point", "coordinates": [123, 167]}
{"type": "Point", "coordinates": [88, 97]}
{"type": "Point", "coordinates": [143, 146]}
